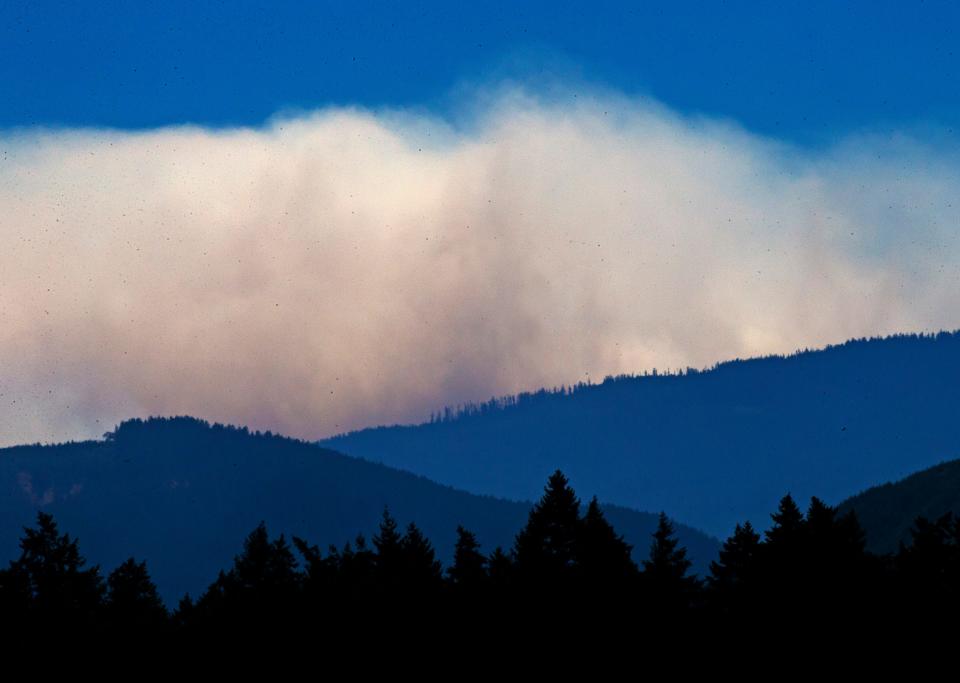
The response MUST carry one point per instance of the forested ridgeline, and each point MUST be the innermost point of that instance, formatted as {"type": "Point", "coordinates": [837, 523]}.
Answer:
{"type": "Point", "coordinates": [567, 560]}
{"type": "Point", "coordinates": [182, 493]}
{"type": "Point", "coordinates": [823, 423]}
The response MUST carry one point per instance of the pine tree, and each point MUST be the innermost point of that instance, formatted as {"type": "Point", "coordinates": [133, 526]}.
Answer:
{"type": "Point", "coordinates": [185, 614]}
{"type": "Point", "coordinates": [667, 562]}
{"type": "Point", "coordinates": [421, 569]}
{"type": "Point", "coordinates": [500, 568]}
{"type": "Point", "coordinates": [388, 551]}
{"type": "Point", "coordinates": [265, 565]}
{"type": "Point", "coordinates": [788, 523]}
{"type": "Point", "coordinates": [665, 578]}
{"type": "Point", "coordinates": [469, 568]}
{"type": "Point", "coordinates": [132, 600]}
{"type": "Point", "coordinates": [733, 576]}
{"type": "Point", "coordinates": [603, 557]}
{"type": "Point", "coordinates": [836, 574]}
{"type": "Point", "coordinates": [262, 584]}
{"type": "Point", "coordinates": [928, 570]}
{"type": "Point", "coordinates": [54, 587]}
{"type": "Point", "coordinates": [545, 549]}
{"type": "Point", "coordinates": [737, 561]}
{"type": "Point", "coordinates": [356, 570]}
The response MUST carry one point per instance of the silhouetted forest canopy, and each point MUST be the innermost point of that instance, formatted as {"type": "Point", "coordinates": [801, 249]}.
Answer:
{"type": "Point", "coordinates": [566, 559]}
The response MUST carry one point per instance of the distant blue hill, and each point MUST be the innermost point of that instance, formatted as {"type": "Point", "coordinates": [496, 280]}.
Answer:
{"type": "Point", "coordinates": [887, 512]}
{"type": "Point", "coordinates": [182, 495]}
{"type": "Point", "coordinates": [712, 447]}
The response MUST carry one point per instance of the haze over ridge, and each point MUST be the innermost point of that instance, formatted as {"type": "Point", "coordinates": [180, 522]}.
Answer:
{"type": "Point", "coordinates": [346, 267]}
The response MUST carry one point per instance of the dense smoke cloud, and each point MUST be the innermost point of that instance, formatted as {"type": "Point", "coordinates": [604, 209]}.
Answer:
{"type": "Point", "coordinates": [344, 268]}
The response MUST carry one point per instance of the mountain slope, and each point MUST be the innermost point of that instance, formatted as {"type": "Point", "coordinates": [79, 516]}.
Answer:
{"type": "Point", "coordinates": [183, 494]}
{"type": "Point", "coordinates": [887, 512]}
{"type": "Point", "coordinates": [712, 447]}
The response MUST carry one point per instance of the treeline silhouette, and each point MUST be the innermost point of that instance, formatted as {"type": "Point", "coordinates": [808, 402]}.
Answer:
{"type": "Point", "coordinates": [567, 560]}
{"type": "Point", "coordinates": [495, 404]}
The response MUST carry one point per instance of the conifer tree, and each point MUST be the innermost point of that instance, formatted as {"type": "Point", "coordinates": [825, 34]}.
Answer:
{"type": "Point", "coordinates": [603, 557]}
{"type": "Point", "coordinates": [666, 582]}
{"type": "Point", "coordinates": [262, 584]}
{"type": "Point", "coordinates": [356, 569]}
{"type": "Point", "coordinates": [421, 569]}
{"type": "Point", "coordinates": [545, 549]}
{"type": "Point", "coordinates": [54, 587]}
{"type": "Point", "coordinates": [500, 568]}
{"type": "Point", "coordinates": [185, 614]}
{"type": "Point", "coordinates": [265, 565]}
{"type": "Point", "coordinates": [388, 552]}
{"type": "Point", "coordinates": [737, 560]}
{"type": "Point", "coordinates": [668, 561]}
{"type": "Point", "coordinates": [928, 569]}
{"type": "Point", "coordinates": [836, 574]}
{"type": "Point", "coordinates": [733, 576]}
{"type": "Point", "coordinates": [469, 568]}
{"type": "Point", "coordinates": [788, 523]}
{"type": "Point", "coordinates": [132, 599]}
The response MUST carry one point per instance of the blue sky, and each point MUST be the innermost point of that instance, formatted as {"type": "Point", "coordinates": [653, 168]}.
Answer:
{"type": "Point", "coordinates": [807, 72]}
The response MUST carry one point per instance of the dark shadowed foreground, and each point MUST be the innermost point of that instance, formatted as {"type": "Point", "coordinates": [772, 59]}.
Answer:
{"type": "Point", "coordinates": [567, 564]}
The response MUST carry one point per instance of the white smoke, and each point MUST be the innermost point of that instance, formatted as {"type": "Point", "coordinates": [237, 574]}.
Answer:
{"type": "Point", "coordinates": [345, 268]}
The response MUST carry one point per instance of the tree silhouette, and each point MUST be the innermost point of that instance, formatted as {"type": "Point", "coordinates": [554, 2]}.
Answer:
{"type": "Point", "coordinates": [389, 555]}
{"type": "Point", "coordinates": [421, 569]}
{"type": "Point", "coordinates": [262, 584]}
{"type": "Point", "coordinates": [132, 598]}
{"type": "Point", "coordinates": [603, 557]}
{"type": "Point", "coordinates": [469, 568]}
{"type": "Point", "coordinates": [928, 569]}
{"type": "Point", "coordinates": [500, 568]}
{"type": "Point", "coordinates": [733, 575]}
{"type": "Point", "coordinates": [545, 549]}
{"type": "Point", "coordinates": [666, 583]}
{"type": "Point", "coordinates": [787, 523]}
{"type": "Point", "coordinates": [48, 579]}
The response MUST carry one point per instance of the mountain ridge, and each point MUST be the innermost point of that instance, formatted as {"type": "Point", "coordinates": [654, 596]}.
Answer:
{"type": "Point", "coordinates": [199, 488]}
{"type": "Point", "coordinates": [887, 511]}
{"type": "Point", "coordinates": [712, 447]}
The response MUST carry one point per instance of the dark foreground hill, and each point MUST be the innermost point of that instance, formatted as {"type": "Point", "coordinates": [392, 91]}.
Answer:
{"type": "Point", "coordinates": [713, 447]}
{"type": "Point", "coordinates": [887, 512]}
{"type": "Point", "coordinates": [182, 495]}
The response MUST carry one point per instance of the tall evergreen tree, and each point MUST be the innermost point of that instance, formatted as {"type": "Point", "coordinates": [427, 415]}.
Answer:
{"type": "Point", "coordinates": [500, 568]}
{"type": "Point", "coordinates": [737, 558]}
{"type": "Point", "coordinates": [469, 568]}
{"type": "Point", "coordinates": [666, 582]}
{"type": "Point", "coordinates": [928, 569]}
{"type": "Point", "coordinates": [734, 574]}
{"type": "Point", "coordinates": [132, 598]}
{"type": "Point", "coordinates": [389, 556]}
{"type": "Point", "coordinates": [837, 576]}
{"type": "Point", "coordinates": [421, 569]}
{"type": "Point", "coordinates": [545, 549]}
{"type": "Point", "coordinates": [357, 569]}
{"type": "Point", "coordinates": [50, 577]}
{"type": "Point", "coordinates": [265, 565]}
{"type": "Point", "coordinates": [603, 557]}
{"type": "Point", "coordinates": [788, 523]}
{"type": "Point", "coordinates": [262, 584]}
